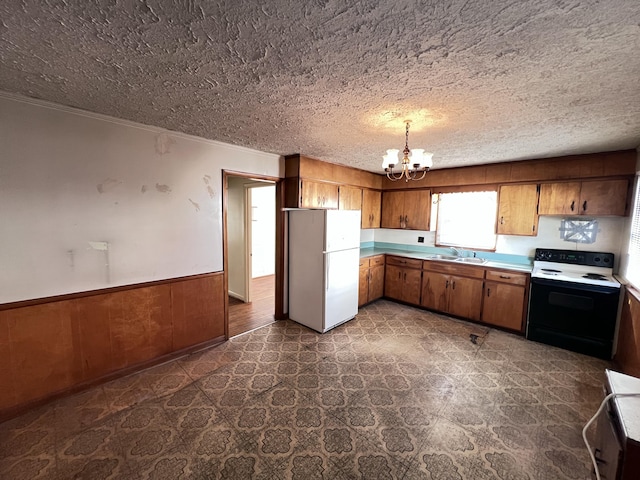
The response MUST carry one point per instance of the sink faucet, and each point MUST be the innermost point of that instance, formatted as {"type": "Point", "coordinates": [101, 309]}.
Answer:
{"type": "Point", "coordinates": [458, 253]}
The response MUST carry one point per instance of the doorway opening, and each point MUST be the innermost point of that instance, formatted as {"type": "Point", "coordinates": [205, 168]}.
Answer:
{"type": "Point", "coordinates": [251, 226]}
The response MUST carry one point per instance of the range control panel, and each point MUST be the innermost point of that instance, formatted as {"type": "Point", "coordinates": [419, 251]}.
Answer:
{"type": "Point", "coordinates": [593, 259]}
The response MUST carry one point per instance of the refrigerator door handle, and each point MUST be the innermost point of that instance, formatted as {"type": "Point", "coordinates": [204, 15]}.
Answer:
{"type": "Point", "coordinates": [326, 272]}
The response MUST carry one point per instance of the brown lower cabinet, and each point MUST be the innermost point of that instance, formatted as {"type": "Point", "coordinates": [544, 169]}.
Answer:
{"type": "Point", "coordinates": [454, 294]}
{"type": "Point", "coordinates": [371, 285]}
{"type": "Point", "coordinates": [403, 279]}
{"type": "Point", "coordinates": [496, 297]}
{"type": "Point", "coordinates": [505, 299]}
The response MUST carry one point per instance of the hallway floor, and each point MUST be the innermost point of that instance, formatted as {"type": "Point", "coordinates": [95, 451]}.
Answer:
{"type": "Point", "coordinates": [244, 317]}
{"type": "Point", "coordinates": [397, 393]}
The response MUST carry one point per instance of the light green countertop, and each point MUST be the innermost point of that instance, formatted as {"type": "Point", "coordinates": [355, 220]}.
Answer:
{"type": "Point", "coordinates": [369, 252]}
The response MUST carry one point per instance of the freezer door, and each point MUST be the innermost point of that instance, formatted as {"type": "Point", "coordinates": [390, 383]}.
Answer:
{"type": "Point", "coordinates": [342, 230]}
{"type": "Point", "coordinates": [341, 287]}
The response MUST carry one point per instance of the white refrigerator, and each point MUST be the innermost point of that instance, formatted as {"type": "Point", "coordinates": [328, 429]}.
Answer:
{"type": "Point", "coordinates": [324, 257]}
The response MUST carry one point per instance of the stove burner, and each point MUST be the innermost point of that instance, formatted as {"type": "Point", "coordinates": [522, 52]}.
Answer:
{"type": "Point", "coordinates": [594, 276]}
{"type": "Point", "coordinates": [550, 271]}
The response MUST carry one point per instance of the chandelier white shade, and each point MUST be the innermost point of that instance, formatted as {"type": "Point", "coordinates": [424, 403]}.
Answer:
{"type": "Point", "coordinates": [413, 163]}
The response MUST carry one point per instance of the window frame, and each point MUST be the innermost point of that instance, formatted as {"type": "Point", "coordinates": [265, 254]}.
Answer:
{"type": "Point", "coordinates": [436, 216]}
{"type": "Point", "coordinates": [632, 272]}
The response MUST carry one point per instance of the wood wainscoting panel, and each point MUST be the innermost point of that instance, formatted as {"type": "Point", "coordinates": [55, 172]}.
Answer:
{"type": "Point", "coordinates": [140, 324]}
{"type": "Point", "coordinates": [7, 384]}
{"type": "Point", "coordinates": [197, 306]}
{"type": "Point", "coordinates": [65, 344]}
{"type": "Point", "coordinates": [42, 354]}
{"type": "Point", "coordinates": [91, 316]}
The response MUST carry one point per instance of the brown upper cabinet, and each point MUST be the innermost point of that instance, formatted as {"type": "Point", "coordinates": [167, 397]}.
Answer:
{"type": "Point", "coordinates": [371, 203]}
{"type": "Point", "coordinates": [349, 198]}
{"type": "Point", "coordinates": [408, 209]}
{"type": "Point", "coordinates": [597, 197]}
{"type": "Point", "coordinates": [311, 183]}
{"type": "Point", "coordinates": [518, 210]}
{"type": "Point", "coordinates": [318, 195]}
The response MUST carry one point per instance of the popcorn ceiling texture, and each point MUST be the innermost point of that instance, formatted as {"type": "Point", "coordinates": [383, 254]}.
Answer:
{"type": "Point", "coordinates": [483, 81]}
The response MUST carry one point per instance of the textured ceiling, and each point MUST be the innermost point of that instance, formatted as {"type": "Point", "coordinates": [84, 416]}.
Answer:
{"type": "Point", "coordinates": [483, 81]}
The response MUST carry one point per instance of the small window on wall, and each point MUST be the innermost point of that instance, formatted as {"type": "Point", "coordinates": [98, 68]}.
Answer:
{"type": "Point", "coordinates": [466, 219]}
{"type": "Point", "coordinates": [633, 267]}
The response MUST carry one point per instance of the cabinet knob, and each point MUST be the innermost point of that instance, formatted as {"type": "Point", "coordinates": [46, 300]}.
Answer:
{"type": "Point", "coordinates": [446, 284]}
{"type": "Point", "coordinates": [505, 276]}
{"type": "Point", "coordinates": [453, 285]}
{"type": "Point", "coordinates": [573, 205]}
{"type": "Point", "coordinates": [501, 220]}
{"type": "Point", "coordinates": [488, 292]}
{"type": "Point", "coordinates": [584, 206]}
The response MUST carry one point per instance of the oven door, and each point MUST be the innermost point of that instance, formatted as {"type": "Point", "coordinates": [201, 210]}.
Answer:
{"type": "Point", "coordinates": [574, 316]}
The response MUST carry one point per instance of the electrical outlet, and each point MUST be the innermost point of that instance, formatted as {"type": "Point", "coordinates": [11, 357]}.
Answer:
{"type": "Point", "coordinates": [420, 239]}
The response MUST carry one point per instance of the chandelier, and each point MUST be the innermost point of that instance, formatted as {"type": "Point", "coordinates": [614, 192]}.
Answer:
{"type": "Point", "coordinates": [413, 162]}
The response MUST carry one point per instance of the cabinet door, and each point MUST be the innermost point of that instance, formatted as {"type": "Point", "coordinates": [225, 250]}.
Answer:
{"type": "Point", "coordinates": [503, 305]}
{"type": "Point", "coordinates": [393, 282]}
{"type": "Point", "coordinates": [417, 209]}
{"type": "Point", "coordinates": [350, 198]}
{"type": "Point", "coordinates": [371, 204]}
{"type": "Point", "coordinates": [392, 210]}
{"type": "Point", "coordinates": [607, 446]}
{"type": "Point", "coordinates": [319, 195]}
{"type": "Point", "coordinates": [329, 195]}
{"type": "Point", "coordinates": [559, 198]}
{"type": "Point", "coordinates": [518, 210]}
{"type": "Point", "coordinates": [363, 286]}
{"type": "Point", "coordinates": [376, 282]}
{"type": "Point", "coordinates": [608, 197]}
{"type": "Point", "coordinates": [310, 196]}
{"type": "Point", "coordinates": [412, 285]}
{"type": "Point", "coordinates": [465, 297]}
{"type": "Point", "coordinates": [435, 287]}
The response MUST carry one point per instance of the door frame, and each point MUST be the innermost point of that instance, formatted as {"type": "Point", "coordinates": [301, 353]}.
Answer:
{"type": "Point", "coordinates": [280, 239]}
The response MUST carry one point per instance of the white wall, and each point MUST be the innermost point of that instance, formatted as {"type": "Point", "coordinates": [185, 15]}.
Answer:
{"type": "Point", "coordinates": [149, 199]}
{"type": "Point", "coordinates": [609, 238]}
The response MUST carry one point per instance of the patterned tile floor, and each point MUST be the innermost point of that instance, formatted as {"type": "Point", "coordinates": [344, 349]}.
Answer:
{"type": "Point", "coordinates": [396, 393]}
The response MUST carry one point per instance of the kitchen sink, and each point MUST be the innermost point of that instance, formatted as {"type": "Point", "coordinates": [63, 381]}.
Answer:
{"type": "Point", "coordinates": [453, 258]}
{"type": "Point", "coordinates": [475, 260]}
{"type": "Point", "coordinates": [443, 257]}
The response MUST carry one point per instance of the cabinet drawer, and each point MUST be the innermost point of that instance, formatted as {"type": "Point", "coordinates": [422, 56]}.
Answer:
{"type": "Point", "coordinates": [377, 260]}
{"type": "Point", "coordinates": [404, 262]}
{"type": "Point", "coordinates": [514, 278]}
{"type": "Point", "coordinates": [364, 262]}
{"type": "Point", "coordinates": [453, 268]}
